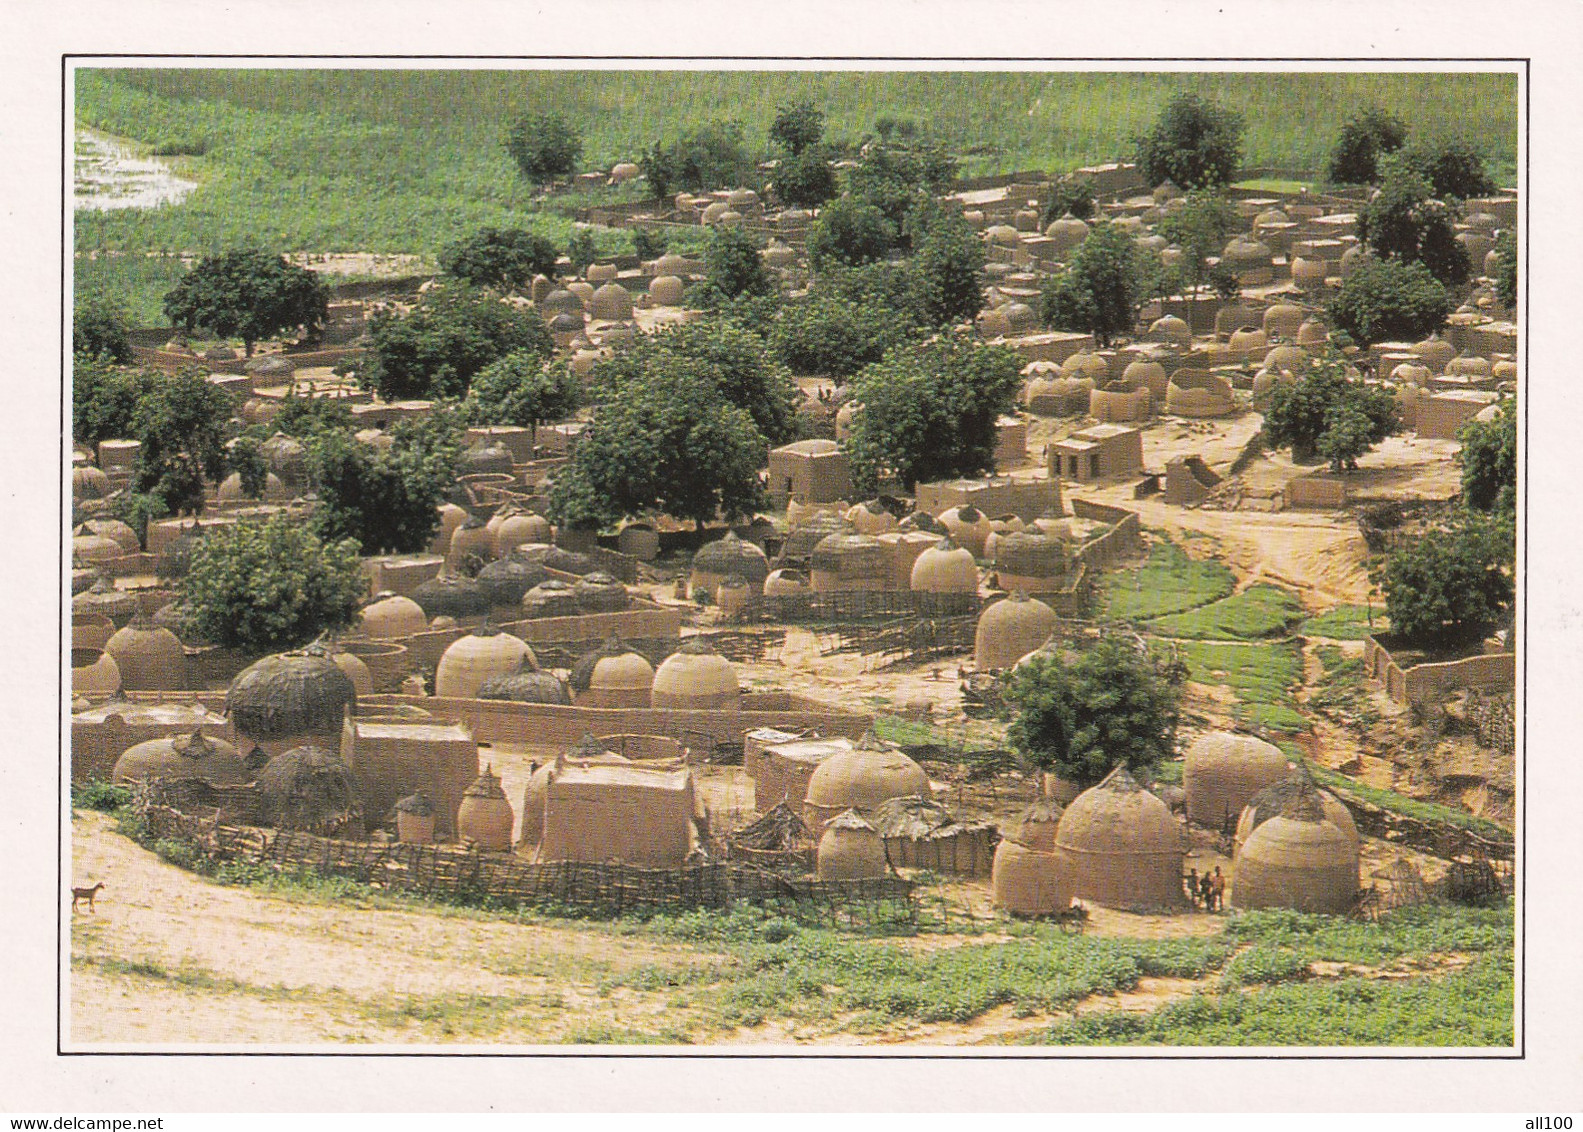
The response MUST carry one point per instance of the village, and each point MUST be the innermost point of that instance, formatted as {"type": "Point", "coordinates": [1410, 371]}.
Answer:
{"type": "Point", "coordinates": [828, 547]}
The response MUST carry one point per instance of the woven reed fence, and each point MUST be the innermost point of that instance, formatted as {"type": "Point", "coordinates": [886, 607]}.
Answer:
{"type": "Point", "coordinates": [852, 605]}
{"type": "Point", "coordinates": [1493, 722]}
{"type": "Point", "coordinates": [445, 872]}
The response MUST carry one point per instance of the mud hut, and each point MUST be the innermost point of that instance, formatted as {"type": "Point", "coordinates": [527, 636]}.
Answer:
{"type": "Point", "coordinates": [309, 788]}
{"type": "Point", "coordinates": [506, 580]}
{"type": "Point", "coordinates": [527, 685]}
{"type": "Point", "coordinates": [849, 563]}
{"type": "Point", "coordinates": [102, 599]}
{"type": "Point", "coordinates": [1124, 846]}
{"type": "Point", "coordinates": [1009, 630]}
{"type": "Point", "coordinates": [451, 595]}
{"type": "Point", "coordinates": [1297, 859]}
{"type": "Point", "coordinates": [415, 819]}
{"type": "Point", "coordinates": [94, 672]}
{"type": "Point", "coordinates": [551, 598]}
{"type": "Point", "coordinates": [390, 616]}
{"type": "Point", "coordinates": [967, 527]}
{"type": "Point", "coordinates": [149, 659]}
{"type": "Point", "coordinates": [193, 755]}
{"type": "Point", "coordinates": [1028, 881]}
{"type": "Point", "coordinates": [696, 677]}
{"type": "Point", "coordinates": [861, 779]}
{"type": "Point", "coordinates": [851, 849]}
{"type": "Point", "coordinates": [1033, 560]}
{"type": "Point", "coordinates": [1223, 771]}
{"type": "Point", "coordinates": [613, 675]}
{"type": "Point", "coordinates": [597, 810]}
{"type": "Point", "coordinates": [290, 695]}
{"type": "Point", "coordinates": [1269, 802]}
{"type": "Point", "coordinates": [945, 580]}
{"type": "Point", "coordinates": [598, 592]}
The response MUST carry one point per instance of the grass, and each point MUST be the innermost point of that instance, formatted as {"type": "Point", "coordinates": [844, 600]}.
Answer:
{"type": "Point", "coordinates": [1168, 582]}
{"type": "Point", "coordinates": [1345, 623]}
{"type": "Point", "coordinates": [1273, 185]}
{"type": "Point", "coordinates": [1409, 807]}
{"type": "Point", "coordinates": [1262, 676]}
{"type": "Point", "coordinates": [407, 161]}
{"type": "Point", "coordinates": [1256, 613]}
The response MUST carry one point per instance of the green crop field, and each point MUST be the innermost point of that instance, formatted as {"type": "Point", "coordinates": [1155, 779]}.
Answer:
{"type": "Point", "coordinates": [405, 161]}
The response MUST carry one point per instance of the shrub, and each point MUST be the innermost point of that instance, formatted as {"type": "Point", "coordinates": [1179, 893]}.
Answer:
{"type": "Point", "coordinates": [798, 126]}
{"type": "Point", "coordinates": [1452, 167]}
{"type": "Point", "coordinates": [99, 329]}
{"type": "Point", "coordinates": [434, 350]}
{"type": "Point", "coordinates": [849, 233]}
{"type": "Point", "coordinates": [806, 180]}
{"type": "Point", "coordinates": [1099, 291]}
{"type": "Point", "coordinates": [1383, 300]}
{"type": "Point", "coordinates": [386, 501]}
{"type": "Point", "coordinates": [581, 250]}
{"type": "Point", "coordinates": [544, 146]}
{"type": "Point", "coordinates": [1404, 222]}
{"type": "Point", "coordinates": [708, 157]}
{"type": "Point", "coordinates": [947, 265]}
{"type": "Point", "coordinates": [1363, 140]}
{"type": "Point", "coordinates": [1070, 196]}
{"type": "Point", "coordinates": [732, 267]}
{"type": "Point", "coordinates": [1194, 143]}
{"type": "Point", "coordinates": [1450, 587]}
{"type": "Point", "coordinates": [1328, 413]}
{"type": "Point", "coordinates": [1489, 461]}
{"type": "Point", "coordinates": [1506, 273]}
{"type": "Point", "coordinates": [503, 258]}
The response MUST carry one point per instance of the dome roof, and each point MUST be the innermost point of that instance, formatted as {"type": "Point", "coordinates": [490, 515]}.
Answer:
{"type": "Point", "coordinates": [103, 598]}
{"type": "Point", "coordinates": [921, 521]}
{"type": "Point", "coordinates": [598, 592]}
{"type": "Point", "coordinates": [1037, 824]}
{"type": "Point", "coordinates": [569, 561]}
{"type": "Point", "coordinates": [527, 686]}
{"type": "Point", "coordinates": [612, 666]}
{"type": "Point", "coordinates": [845, 552]}
{"type": "Point", "coordinates": [114, 529]}
{"type": "Point", "coordinates": [391, 616]}
{"type": "Point", "coordinates": [511, 529]}
{"type": "Point", "coordinates": [667, 290]}
{"type": "Point", "coordinates": [194, 755]}
{"type": "Point", "coordinates": [802, 539]}
{"type": "Point", "coordinates": [1223, 771]}
{"type": "Point", "coordinates": [611, 303]}
{"type": "Point", "coordinates": [1009, 630]}
{"type": "Point", "coordinates": [551, 598]}
{"type": "Point", "coordinates": [483, 653]}
{"type": "Point", "coordinates": [695, 676]}
{"type": "Point", "coordinates": [967, 526]}
{"type": "Point", "coordinates": [308, 788]}
{"type": "Point", "coordinates": [1297, 859]}
{"type": "Point", "coordinates": [289, 694]}
{"type": "Point", "coordinates": [862, 778]}
{"type": "Point", "coordinates": [1270, 801]}
{"type": "Point", "coordinates": [730, 555]}
{"type": "Point", "coordinates": [1126, 848]}
{"type": "Point", "coordinates": [150, 659]}
{"type": "Point", "coordinates": [940, 569]}
{"type": "Point", "coordinates": [1067, 232]}
{"type": "Point", "coordinates": [451, 595]}
{"type": "Point", "coordinates": [1085, 364]}
{"type": "Point", "coordinates": [88, 482]}
{"type": "Point", "coordinates": [506, 580]}
{"type": "Point", "coordinates": [850, 849]}
{"type": "Point", "coordinates": [562, 301]}
{"type": "Point", "coordinates": [1293, 358]}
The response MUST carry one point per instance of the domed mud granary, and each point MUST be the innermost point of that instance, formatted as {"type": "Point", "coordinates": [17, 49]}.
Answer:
{"type": "Point", "coordinates": [510, 529]}
{"type": "Point", "coordinates": [860, 779]}
{"type": "Point", "coordinates": [1299, 860]}
{"type": "Point", "coordinates": [849, 563]}
{"type": "Point", "coordinates": [1036, 826]}
{"type": "Point", "coordinates": [612, 675]}
{"type": "Point", "coordinates": [967, 526]}
{"type": "Point", "coordinates": [102, 599]}
{"type": "Point", "coordinates": [484, 653]}
{"type": "Point", "coordinates": [851, 849]}
{"type": "Point", "coordinates": [506, 580]}
{"type": "Point", "coordinates": [309, 788]}
{"type": "Point", "coordinates": [1034, 560]}
{"type": "Point", "coordinates": [803, 537]}
{"type": "Point", "coordinates": [94, 672]}
{"type": "Point", "coordinates": [351, 664]}
{"type": "Point", "coordinates": [287, 457]}
{"type": "Point", "coordinates": [290, 694]}
{"type": "Point", "coordinates": [1269, 802]}
{"type": "Point", "coordinates": [485, 816]}
{"type": "Point", "coordinates": [470, 541]}
{"type": "Point", "coordinates": [695, 676]}
{"type": "Point", "coordinates": [611, 303]}
{"type": "Point", "coordinates": [1027, 881]}
{"type": "Point", "coordinates": [945, 579]}
{"type": "Point", "coordinates": [194, 755]}
{"type": "Point", "coordinates": [451, 595]}
{"type": "Point", "coordinates": [569, 561]}
{"type": "Point", "coordinates": [1124, 847]}
{"type": "Point", "coordinates": [390, 616]}
{"type": "Point", "coordinates": [551, 598]}
{"type": "Point", "coordinates": [1223, 771]}
{"type": "Point", "coordinates": [415, 819]}
{"type": "Point", "coordinates": [1009, 630]}
{"type": "Point", "coordinates": [150, 659]}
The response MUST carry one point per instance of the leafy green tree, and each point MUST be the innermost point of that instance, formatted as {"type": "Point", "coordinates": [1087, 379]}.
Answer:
{"type": "Point", "coordinates": [180, 423]}
{"type": "Point", "coordinates": [544, 146]}
{"type": "Point", "coordinates": [1194, 143]}
{"type": "Point", "coordinates": [711, 156]}
{"type": "Point", "coordinates": [806, 180]}
{"type": "Point", "coordinates": [1099, 291]}
{"type": "Point", "coordinates": [892, 176]}
{"type": "Point", "coordinates": [386, 502]}
{"type": "Point", "coordinates": [305, 417]}
{"type": "Point", "coordinates": [1506, 273]}
{"type": "Point", "coordinates": [732, 267]}
{"type": "Point", "coordinates": [827, 335]}
{"type": "Point", "coordinates": [521, 389]}
{"type": "Point", "coordinates": [1489, 461]}
{"type": "Point", "coordinates": [798, 126]}
{"type": "Point", "coordinates": [244, 458]}
{"type": "Point", "coordinates": [947, 264]}
{"type": "Point", "coordinates": [1404, 222]}
{"type": "Point", "coordinates": [1384, 300]}
{"type": "Point", "coordinates": [850, 233]}
{"type": "Point", "coordinates": [435, 349]}
{"type": "Point", "coordinates": [1363, 140]}
{"type": "Point", "coordinates": [734, 361]}
{"type": "Point", "coordinates": [1200, 227]}
{"type": "Point", "coordinates": [1453, 168]}
{"type": "Point", "coordinates": [104, 398]}
{"type": "Point", "coordinates": [648, 243]}
{"type": "Point", "coordinates": [1326, 412]}
{"type": "Point", "coordinates": [264, 587]}
{"type": "Point", "coordinates": [1450, 587]}
{"type": "Point", "coordinates": [249, 294]}
{"type": "Point", "coordinates": [1071, 197]}
{"type": "Point", "coordinates": [929, 411]}
{"type": "Point", "coordinates": [1080, 719]}
{"type": "Point", "coordinates": [506, 259]}
{"type": "Point", "coordinates": [100, 328]}
{"type": "Point", "coordinates": [670, 444]}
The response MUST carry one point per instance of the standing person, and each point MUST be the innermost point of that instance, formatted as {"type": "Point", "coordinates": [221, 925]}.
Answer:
{"type": "Point", "coordinates": [1217, 891]}
{"type": "Point", "coordinates": [1192, 886]}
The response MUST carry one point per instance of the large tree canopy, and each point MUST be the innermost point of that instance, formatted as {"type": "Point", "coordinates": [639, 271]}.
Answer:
{"type": "Point", "coordinates": [1364, 139]}
{"type": "Point", "coordinates": [1451, 586]}
{"type": "Point", "coordinates": [504, 258]}
{"type": "Point", "coordinates": [1489, 461]}
{"type": "Point", "coordinates": [435, 349]}
{"type": "Point", "coordinates": [1101, 288]}
{"type": "Point", "coordinates": [247, 294]}
{"type": "Point", "coordinates": [929, 411]}
{"type": "Point", "coordinates": [1405, 222]}
{"type": "Point", "coordinates": [180, 423]}
{"type": "Point", "coordinates": [521, 389]}
{"type": "Point", "coordinates": [1195, 143]}
{"type": "Point", "coordinates": [1328, 412]}
{"type": "Point", "coordinates": [1385, 300]}
{"type": "Point", "coordinates": [386, 502]}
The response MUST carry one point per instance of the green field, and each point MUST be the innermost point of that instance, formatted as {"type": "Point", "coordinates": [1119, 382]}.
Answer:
{"type": "Point", "coordinates": [405, 161]}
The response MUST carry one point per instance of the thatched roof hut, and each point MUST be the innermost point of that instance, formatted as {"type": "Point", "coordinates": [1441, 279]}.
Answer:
{"type": "Point", "coordinates": [1125, 848]}
{"type": "Point", "coordinates": [309, 788]}
{"type": "Point", "coordinates": [613, 675]}
{"type": "Point", "coordinates": [290, 694]}
{"type": "Point", "coordinates": [182, 756]}
{"type": "Point", "coordinates": [1298, 859]}
{"type": "Point", "coordinates": [851, 849]}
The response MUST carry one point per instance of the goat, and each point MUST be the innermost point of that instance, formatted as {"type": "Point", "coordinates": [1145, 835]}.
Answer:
{"type": "Point", "coordinates": [80, 894]}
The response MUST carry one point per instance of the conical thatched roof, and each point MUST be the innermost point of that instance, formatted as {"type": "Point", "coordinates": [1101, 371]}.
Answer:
{"type": "Point", "coordinates": [780, 830]}
{"type": "Point", "coordinates": [849, 819]}
{"type": "Point", "coordinates": [293, 693]}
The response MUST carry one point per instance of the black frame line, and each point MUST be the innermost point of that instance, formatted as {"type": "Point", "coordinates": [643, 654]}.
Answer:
{"type": "Point", "coordinates": [1520, 1052]}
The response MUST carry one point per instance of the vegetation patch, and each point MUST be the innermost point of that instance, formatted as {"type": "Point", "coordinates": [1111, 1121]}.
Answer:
{"type": "Point", "coordinates": [1346, 623]}
{"type": "Point", "coordinates": [1256, 613]}
{"type": "Point", "coordinates": [1263, 677]}
{"type": "Point", "coordinates": [1408, 807]}
{"type": "Point", "coordinates": [1168, 582]}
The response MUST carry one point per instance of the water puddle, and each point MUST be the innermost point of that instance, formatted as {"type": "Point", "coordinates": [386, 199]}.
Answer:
{"type": "Point", "coordinates": [107, 174]}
